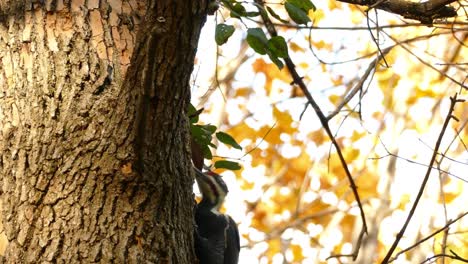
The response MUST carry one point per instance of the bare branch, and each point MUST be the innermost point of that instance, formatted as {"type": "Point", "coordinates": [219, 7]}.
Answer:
{"type": "Point", "coordinates": [323, 120]}
{"type": "Point", "coordinates": [453, 101]}
{"type": "Point", "coordinates": [454, 256]}
{"type": "Point", "coordinates": [449, 223]}
{"type": "Point", "coordinates": [425, 12]}
{"type": "Point", "coordinates": [359, 85]}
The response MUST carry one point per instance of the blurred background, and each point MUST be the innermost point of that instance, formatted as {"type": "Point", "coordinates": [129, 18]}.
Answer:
{"type": "Point", "coordinates": [291, 199]}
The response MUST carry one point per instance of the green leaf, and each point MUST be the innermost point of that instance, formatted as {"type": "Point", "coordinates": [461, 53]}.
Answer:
{"type": "Point", "coordinates": [196, 131]}
{"type": "Point", "coordinates": [277, 45]}
{"type": "Point", "coordinates": [222, 33]}
{"type": "Point", "coordinates": [201, 135]}
{"type": "Point", "coordinates": [272, 12]}
{"type": "Point", "coordinates": [228, 3]}
{"type": "Point", "coordinates": [252, 14]}
{"type": "Point", "coordinates": [296, 14]}
{"type": "Point", "coordinates": [257, 40]}
{"type": "Point", "coordinates": [193, 113]}
{"type": "Point", "coordinates": [275, 60]}
{"type": "Point", "coordinates": [206, 152]}
{"type": "Point", "coordinates": [210, 128]}
{"type": "Point", "coordinates": [305, 5]}
{"type": "Point", "coordinates": [226, 164]}
{"type": "Point", "coordinates": [227, 139]}
{"type": "Point", "coordinates": [261, 9]}
{"type": "Point", "coordinates": [212, 8]}
{"type": "Point", "coordinates": [238, 11]}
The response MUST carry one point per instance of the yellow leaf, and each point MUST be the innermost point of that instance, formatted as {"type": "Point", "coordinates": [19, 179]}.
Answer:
{"type": "Point", "coordinates": [243, 92]}
{"type": "Point", "coordinates": [351, 154]}
{"type": "Point", "coordinates": [334, 99]}
{"type": "Point", "coordinates": [322, 45]}
{"type": "Point", "coordinates": [367, 185]}
{"type": "Point", "coordinates": [323, 66]}
{"type": "Point", "coordinates": [387, 80]}
{"type": "Point", "coordinates": [270, 135]}
{"type": "Point", "coordinates": [347, 226]}
{"type": "Point", "coordinates": [318, 137]}
{"type": "Point", "coordinates": [297, 252]}
{"type": "Point", "coordinates": [259, 220]}
{"type": "Point", "coordinates": [356, 14]}
{"type": "Point", "coordinates": [274, 247]}
{"type": "Point", "coordinates": [284, 117]}
{"type": "Point", "coordinates": [404, 200]}
{"type": "Point", "coordinates": [304, 65]}
{"type": "Point", "coordinates": [296, 92]}
{"type": "Point", "coordinates": [246, 185]}
{"type": "Point", "coordinates": [425, 93]}
{"type": "Point", "coordinates": [297, 169]}
{"type": "Point", "coordinates": [302, 163]}
{"type": "Point", "coordinates": [356, 136]}
{"type": "Point", "coordinates": [316, 15]}
{"type": "Point", "coordinates": [241, 132]}
{"type": "Point", "coordinates": [285, 121]}
{"type": "Point", "coordinates": [333, 4]}
{"type": "Point", "coordinates": [257, 159]}
{"type": "Point", "coordinates": [452, 190]}
{"type": "Point", "coordinates": [315, 207]}
{"type": "Point", "coordinates": [271, 72]}
{"type": "Point", "coordinates": [260, 65]}
{"type": "Point", "coordinates": [337, 81]}
{"type": "Point", "coordinates": [296, 48]}
{"type": "Point", "coordinates": [336, 171]}
{"type": "Point", "coordinates": [377, 115]}
{"type": "Point", "coordinates": [411, 100]}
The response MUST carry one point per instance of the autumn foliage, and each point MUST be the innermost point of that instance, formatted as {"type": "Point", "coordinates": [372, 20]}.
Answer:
{"type": "Point", "coordinates": [384, 84]}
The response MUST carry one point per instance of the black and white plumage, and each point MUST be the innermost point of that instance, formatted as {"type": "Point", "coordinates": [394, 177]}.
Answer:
{"type": "Point", "coordinates": [216, 234]}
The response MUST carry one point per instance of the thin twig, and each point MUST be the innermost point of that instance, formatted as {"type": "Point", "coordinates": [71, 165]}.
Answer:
{"type": "Point", "coordinates": [355, 252]}
{"type": "Point", "coordinates": [449, 223]}
{"type": "Point", "coordinates": [453, 101]}
{"type": "Point", "coordinates": [454, 256]}
{"type": "Point", "coordinates": [389, 154]}
{"type": "Point", "coordinates": [323, 120]}
{"type": "Point", "coordinates": [359, 85]}
{"type": "Point", "coordinates": [426, 63]}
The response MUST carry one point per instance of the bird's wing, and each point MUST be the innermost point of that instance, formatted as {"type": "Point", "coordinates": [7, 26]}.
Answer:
{"type": "Point", "coordinates": [233, 225]}
{"type": "Point", "coordinates": [232, 246]}
{"type": "Point", "coordinates": [209, 250]}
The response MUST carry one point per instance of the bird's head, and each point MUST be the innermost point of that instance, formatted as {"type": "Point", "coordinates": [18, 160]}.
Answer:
{"type": "Point", "coordinates": [212, 187]}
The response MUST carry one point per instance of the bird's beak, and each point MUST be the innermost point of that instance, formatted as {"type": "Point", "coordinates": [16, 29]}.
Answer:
{"type": "Point", "coordinates": [203, 183]}
{"type": "Point", "coordinates": [200, 177]}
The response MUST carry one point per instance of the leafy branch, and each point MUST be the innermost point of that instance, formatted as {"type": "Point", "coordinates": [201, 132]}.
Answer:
{"type": "Point", "coordinates": [202, 142]}
{"type": "Point", "coordinates": [323, 120]}
{"type": "Point", "coordinates": [277, 50]}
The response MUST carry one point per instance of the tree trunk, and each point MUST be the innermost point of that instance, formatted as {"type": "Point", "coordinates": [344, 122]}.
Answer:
{"type": "Point", "coordinates": [94, 155]}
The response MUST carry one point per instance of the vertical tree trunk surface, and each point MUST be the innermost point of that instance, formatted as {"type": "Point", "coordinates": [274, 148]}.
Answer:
{"type": "Point", "coordinates": [94, 154]}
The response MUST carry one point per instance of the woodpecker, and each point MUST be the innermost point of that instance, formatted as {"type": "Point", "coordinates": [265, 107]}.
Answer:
{"type": "Point", "coordinates": [216, 234]}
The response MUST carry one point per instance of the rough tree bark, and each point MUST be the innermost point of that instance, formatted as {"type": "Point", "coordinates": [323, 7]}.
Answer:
{"type": "Point", "coordinates": [94, 155]}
